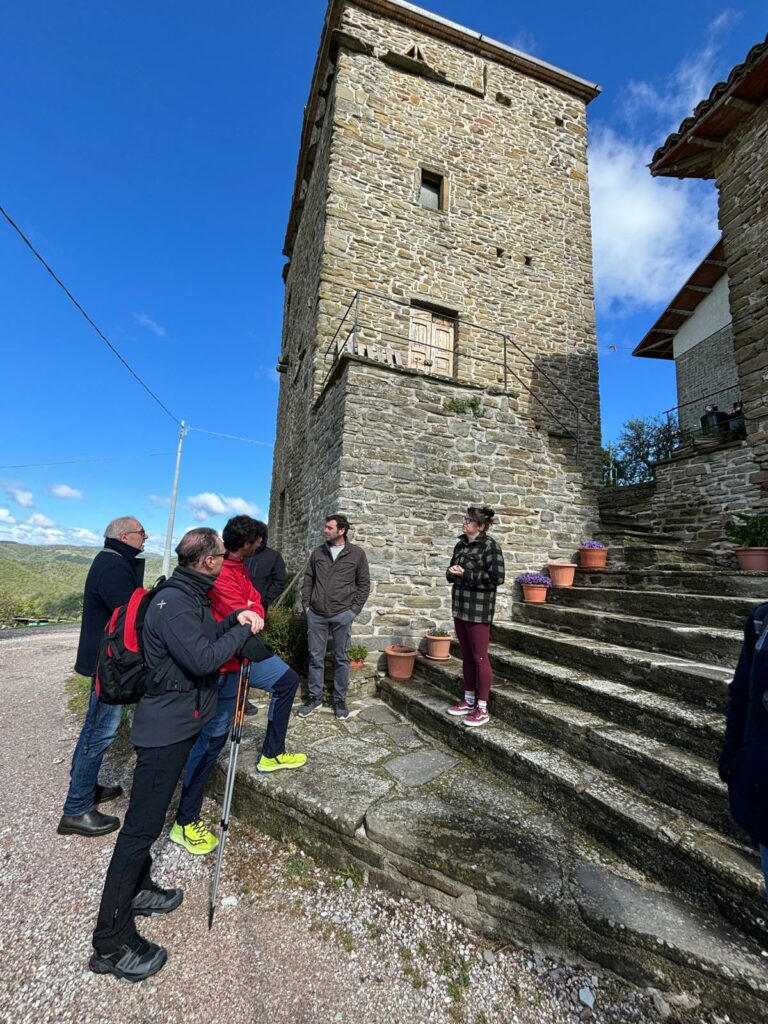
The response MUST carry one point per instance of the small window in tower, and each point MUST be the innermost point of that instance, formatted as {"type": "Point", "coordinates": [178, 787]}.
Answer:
{"type": "Point", "coordinates": [432, 191]}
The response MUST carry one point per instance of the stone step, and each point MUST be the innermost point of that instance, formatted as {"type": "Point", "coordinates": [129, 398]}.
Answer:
{"type": "Point", "coordinates": [752, 587]}
{"type": "Point", "coordinates": [696, 609]}
{"type": "Point", "coordinates": [681, 779]}
{"type": "Point", "coordinates": [719, 873]}
{"type": "Point", "coordinates": [668, 719]}
{"type": "Point", "coordinates": [701, 643]}
{"type": "Point", "coordinates": [388, 806]}
{"type": "Point", "coordinates": [687, 680]}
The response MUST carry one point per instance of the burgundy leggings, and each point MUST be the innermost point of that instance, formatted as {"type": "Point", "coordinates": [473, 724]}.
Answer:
{"type": "Point", "coordinates": [473, 640]}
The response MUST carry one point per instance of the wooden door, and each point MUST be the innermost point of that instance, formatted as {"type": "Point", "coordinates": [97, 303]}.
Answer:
{"type": "Point", "coordinates": [431, 342]}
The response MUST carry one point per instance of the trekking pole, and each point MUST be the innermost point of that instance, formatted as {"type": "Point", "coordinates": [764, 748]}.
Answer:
{"type": "Point", "coordinates": [234, 750]}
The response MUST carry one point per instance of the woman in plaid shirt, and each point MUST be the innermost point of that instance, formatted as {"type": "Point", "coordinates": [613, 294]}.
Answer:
{"type": "Point", "coordinates": [475, 572]}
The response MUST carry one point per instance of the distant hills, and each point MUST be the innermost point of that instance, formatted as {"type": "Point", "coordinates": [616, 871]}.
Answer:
{"type": "Point", "coordinates": [48, 579]}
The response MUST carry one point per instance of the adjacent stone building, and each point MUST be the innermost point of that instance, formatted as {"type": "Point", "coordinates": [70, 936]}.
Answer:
{"type": "Point", "coordinates": [438, 342]}
{"type": "Point", "coordinates": [726, 138]}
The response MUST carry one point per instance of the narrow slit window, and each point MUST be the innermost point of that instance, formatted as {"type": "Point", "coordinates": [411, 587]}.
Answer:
{"type": "Point", "coordinates": [432, 191]}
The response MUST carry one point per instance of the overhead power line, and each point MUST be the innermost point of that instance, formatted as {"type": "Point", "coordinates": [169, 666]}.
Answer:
{"type": "Point", "coordinates": [230, 437]}
{"type": "Point", "coordinates": [82, 462]}
{"type": "Point", "coordinates": [77, 305]}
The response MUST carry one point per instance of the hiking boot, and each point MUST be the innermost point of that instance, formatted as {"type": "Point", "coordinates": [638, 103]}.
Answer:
{"type": "Point", "coordinates": [341, 710]}
{"type": "Point", "coordinates": [250, 709]}
{"type": "Point", "coordinates": [154, 901]}
{"type": "Point", "coordinates": [195, 837]}
{"type": "Point", "coordinates": [105, 793]}
{"type": "Point", "coordinates": [309, 706]}
{"type": "Point", "coordinates": [136, 961]}
{"type": "Point", "coordinates": [478, 716]}
{"type": "Point", "coordinates": [274, 764]}
{"type": "Point", "coordinates": [92, 823]}
{"type": "Point", "coordinates": [462, 708]}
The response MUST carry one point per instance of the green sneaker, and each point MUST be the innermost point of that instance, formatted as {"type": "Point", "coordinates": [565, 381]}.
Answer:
{"type": "Point", "coordinates": [274, 764]}
{"type": "Point", "coordinates": [196, 838]}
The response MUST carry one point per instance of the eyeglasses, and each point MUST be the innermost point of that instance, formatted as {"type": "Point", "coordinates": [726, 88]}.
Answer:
{"type": "Point", "coordinates": [218, 554]}
{"type": "Point", "coordinates": [468, 519]}
{"type": "Point", "coordinates": [143, 533]}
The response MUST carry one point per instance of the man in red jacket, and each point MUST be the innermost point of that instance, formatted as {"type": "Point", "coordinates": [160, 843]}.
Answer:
{"type": "Point", "coordinates": [233, 591]}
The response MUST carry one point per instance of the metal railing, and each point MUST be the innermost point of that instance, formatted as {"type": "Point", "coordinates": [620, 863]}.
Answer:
{"type": "Point", "coordinates": [379, 327]}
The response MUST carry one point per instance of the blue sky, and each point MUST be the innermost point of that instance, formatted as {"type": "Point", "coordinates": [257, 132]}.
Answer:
{"type": "Point", "coordinates": [149, 153]}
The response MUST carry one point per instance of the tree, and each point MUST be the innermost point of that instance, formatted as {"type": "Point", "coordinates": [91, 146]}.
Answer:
{"type": "Point", "coordinates": [642, 442]}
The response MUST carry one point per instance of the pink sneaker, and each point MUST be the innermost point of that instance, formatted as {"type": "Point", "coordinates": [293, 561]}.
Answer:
{"type": "Point", "coordinates": [479, 716]}
{"type": "Point", "coordinates": [462, 708]}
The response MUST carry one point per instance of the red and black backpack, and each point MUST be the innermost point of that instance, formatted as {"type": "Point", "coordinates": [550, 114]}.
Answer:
{"type": "Point", "coordinates": [121, 675]}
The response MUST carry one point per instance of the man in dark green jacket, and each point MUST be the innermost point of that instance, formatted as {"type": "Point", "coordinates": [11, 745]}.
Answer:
{"type": "Point", "coordinates": [336, 586]}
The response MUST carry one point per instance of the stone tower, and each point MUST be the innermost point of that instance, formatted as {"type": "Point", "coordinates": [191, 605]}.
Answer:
{"type": "Point", "coordinates": [438, 344]}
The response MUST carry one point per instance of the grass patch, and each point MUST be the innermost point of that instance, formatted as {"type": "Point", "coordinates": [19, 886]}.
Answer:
{"type": "Point", "coordinates": [350, 874]}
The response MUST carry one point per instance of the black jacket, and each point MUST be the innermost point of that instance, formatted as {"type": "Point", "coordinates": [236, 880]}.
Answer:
{"type": "Point", "coordinates": [333, 586]}
{"type": "Point", "coordinates": [114, 575]}
{"type": "Point", "coordinates": [180, 626]}
{"type": "Point", "coordinates": [744, 759]}
{"type": "Point", "coordinates": [267, 571]}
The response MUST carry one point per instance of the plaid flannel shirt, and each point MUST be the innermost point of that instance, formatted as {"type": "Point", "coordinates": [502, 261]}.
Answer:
{"type": "Point", "coordinates": [474, 593]}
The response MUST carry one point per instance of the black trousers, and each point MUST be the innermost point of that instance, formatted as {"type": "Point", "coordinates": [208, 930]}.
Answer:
{"type": "Point", "coordinates": [157, 772]}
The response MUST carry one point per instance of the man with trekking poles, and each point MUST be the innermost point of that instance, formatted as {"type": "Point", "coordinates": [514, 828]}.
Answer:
{"type": "Point", "coordinates": [184, 647]}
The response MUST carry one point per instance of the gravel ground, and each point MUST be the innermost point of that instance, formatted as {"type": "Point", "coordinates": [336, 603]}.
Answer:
{"type": "Point", "coordinates": [291, 940]}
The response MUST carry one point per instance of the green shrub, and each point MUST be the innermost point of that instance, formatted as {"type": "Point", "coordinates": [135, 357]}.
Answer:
{"type": "Point", "coordinates": [358, 653]}
{"type": "Point", "coordinates": [286, 634]}
{"type": "Point", "coordinates": [750, 532]}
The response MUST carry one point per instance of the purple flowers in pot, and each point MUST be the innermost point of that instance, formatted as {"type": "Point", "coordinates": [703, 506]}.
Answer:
{"type": "Point", "coordinates": [533, 579]}
{"type": "Point", "coordinates": [592, 544]}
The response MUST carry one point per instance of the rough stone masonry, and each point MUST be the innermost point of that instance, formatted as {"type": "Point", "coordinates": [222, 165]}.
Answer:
{"type": "Point", "coordinates": [441, 187]}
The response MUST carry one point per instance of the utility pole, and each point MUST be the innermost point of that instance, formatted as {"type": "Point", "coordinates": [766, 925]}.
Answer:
{"type": "Point", "coordinates": [172, 509]}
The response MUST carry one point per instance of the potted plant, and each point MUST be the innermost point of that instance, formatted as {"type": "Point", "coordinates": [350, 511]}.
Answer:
{"type": "Point", "coordinates": [357, 656]}
{"type": "Point", "coordinates": [593, 555]}
{"type": "Point", "coordinates": [438, 644]}
{"type": "Point", "coordinates": [400, 661]}
{"type": "Point", "coordinates": [534, 586]}
{"type": "Point", "coordinates": [750, 534]}
{"type": "Point", "coordinates": [562, 573]}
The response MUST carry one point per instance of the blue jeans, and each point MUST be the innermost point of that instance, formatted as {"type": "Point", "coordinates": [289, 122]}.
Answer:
{"type": "Point", "coordinates": [99, 730]}
{"type": "Point", "coordinates": [211, 739]}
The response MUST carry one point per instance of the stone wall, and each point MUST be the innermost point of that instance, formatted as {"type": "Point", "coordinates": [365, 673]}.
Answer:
{"type": "Point", "coordinates": [741, 169]}
{"type": "Point", "coordinates": [703, 369]}
{"type": "Point", "coordinates": [693, 498]}
{"type": "Point", "coordinates": [509, 257]}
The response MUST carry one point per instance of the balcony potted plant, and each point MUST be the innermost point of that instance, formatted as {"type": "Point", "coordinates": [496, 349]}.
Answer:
{"type": "Point", "coordinates": [562, 573]}
{"type": "Point", "coordinates": [593, 555]}
{"type": "Point", "coordinates": [438, 644]}
{"type": "Point", "coordinates": [534, 586]}
{"type": "Point", "coordinates": [357, 656]}
{"type": "Point", "coordinates": [750, 534]}
{"type": "Point", "coordinates": [400, 661]}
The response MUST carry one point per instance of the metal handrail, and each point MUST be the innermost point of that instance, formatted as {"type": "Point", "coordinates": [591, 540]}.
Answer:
{"type": "Point", "coordinates": [697, 401]}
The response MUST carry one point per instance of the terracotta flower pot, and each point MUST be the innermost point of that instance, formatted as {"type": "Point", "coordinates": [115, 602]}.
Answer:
{"type": "Point", "coordinates": [438, 647]}
{"type": "Point", "coordinates": [357, 664]}
{"type": "Point", "coordinates": [562, 573]}
{"type": "Point", "coordinates": [534, 593]}
{"type": "Point", "coordinates": [593, 558]}
{"type": "Point", "coordinates": [754, 559]}
{"type": "Point", "coordinates": [400, 661]}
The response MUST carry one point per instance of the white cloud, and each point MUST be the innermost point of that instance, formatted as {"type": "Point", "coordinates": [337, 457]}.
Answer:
{"type": "Point", "coordinates": [650, 233]}
{"type": "Point", "coordinates": [22, 497]}
{"type": "Point", "coordinates": [37, 519]}
{"type": "Point", "coordinates": [65, 491]}
{"type": "Point", "coordinates": [208, 504]}
{"type": "Point", "coordinates": [156, 499]}
{"type": "Point", "coordinates": [267, 371]}
{"type": "Point", "coordinates": [142, 320]}
{"type": "Point", "coordinates": [40, 533]}
{"type": "Point", "coordinates": [5, 516]}
{"type": "Point", "coordinates": [524, 41]}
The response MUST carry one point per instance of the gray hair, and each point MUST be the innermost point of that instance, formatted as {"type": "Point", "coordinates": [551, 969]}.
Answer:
{"type": "Point", "coordinates": [196, 545]}
{"type": "Point", "coordinates": [118, 527]}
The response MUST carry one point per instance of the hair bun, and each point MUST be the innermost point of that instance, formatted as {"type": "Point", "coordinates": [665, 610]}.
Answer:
{"type": "Point", "coordinates": [488, 511]}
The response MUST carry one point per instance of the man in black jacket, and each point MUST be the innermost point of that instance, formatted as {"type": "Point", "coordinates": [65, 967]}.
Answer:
{"type": "Point", "coordinates": [114, 574]}
{"type": "Point", "coordinates": [184, 646]}
{"type": "Point", "coordinates": [266, 568]}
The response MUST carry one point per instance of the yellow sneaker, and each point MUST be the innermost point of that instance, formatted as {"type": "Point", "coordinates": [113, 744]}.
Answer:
{"type": "Point", "coordinates": [196, 837]}
{"type": "Point", "coordinates": [274, 764]}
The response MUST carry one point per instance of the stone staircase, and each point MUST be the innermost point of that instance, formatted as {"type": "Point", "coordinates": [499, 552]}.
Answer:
{"type": "Point", "coordinates": [608, 710]}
